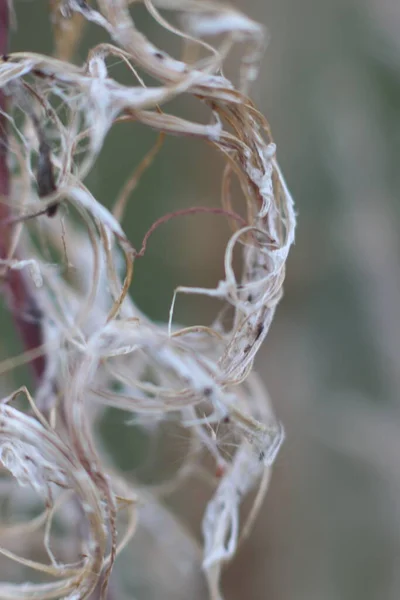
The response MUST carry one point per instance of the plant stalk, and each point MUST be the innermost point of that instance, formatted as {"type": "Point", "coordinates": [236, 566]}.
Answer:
{"type": "Point", "coordinates": [18, 287]}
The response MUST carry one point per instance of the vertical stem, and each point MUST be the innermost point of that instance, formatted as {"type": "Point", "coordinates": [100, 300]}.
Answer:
{"type": "Point", "coordinates": [18, 287]}
{"type": "Point", "coordinates": [4, 178]}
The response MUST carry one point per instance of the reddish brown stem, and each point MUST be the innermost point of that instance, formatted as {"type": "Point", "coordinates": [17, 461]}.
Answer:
{"type": "Point", "coordinates": [17, 285]}
{"type": "Point", "coordinates": [184, 212]}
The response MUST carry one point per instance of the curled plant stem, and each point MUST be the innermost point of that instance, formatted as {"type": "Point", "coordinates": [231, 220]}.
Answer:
{"type": "Point", "coordinates": [99, 349]}
{"type": "Point", "coordinates": [184, 212]}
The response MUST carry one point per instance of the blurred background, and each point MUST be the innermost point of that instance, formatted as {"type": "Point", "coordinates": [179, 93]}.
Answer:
{"type": "Point", "coordinates": [330, 88]}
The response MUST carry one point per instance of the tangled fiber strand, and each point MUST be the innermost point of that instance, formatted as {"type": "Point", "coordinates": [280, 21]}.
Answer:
{"type": "Point", "coordinates": [93, 338]}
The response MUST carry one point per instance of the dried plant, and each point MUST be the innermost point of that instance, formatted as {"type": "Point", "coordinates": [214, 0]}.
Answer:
{"type": "Point", "coordinates": [90, 346]}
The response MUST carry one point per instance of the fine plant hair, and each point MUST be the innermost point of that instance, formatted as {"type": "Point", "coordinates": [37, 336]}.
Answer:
{"type": "Point", "coordinates": [89, 345]}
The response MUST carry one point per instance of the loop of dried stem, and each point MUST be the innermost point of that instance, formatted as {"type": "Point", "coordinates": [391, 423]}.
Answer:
{"type": "Point", "coordinates": [92, 335]}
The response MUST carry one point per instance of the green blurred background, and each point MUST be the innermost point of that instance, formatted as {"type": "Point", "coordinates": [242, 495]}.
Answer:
{"type": "Point", "coordinates": [330, 87]}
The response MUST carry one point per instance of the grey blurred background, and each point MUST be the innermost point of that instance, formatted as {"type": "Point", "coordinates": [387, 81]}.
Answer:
{"type": "Point", "coordinates": [330, 87]}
